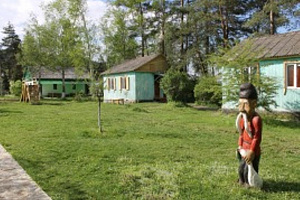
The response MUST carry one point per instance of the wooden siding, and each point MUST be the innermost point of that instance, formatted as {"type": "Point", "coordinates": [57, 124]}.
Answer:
{"type": "Point", "coordinates": [127, 95]}
{"type": "Point", "coordinates": [156, 65]}
{"type": "Point", "coordinates": [288, 99]}
{"type": "Point", "coordinates": [144, 86]}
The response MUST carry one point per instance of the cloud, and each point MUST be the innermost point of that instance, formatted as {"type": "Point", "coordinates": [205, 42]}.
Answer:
{"type": "Point", "coordinates": [18, 12]}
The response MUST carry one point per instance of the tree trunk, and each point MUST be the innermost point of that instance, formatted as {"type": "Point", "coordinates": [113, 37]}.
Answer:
{"type": "Point", "coordinates": [182, 18]}
{"type": "Point", "coordinates": [272, 23]}
{"type": "Point", "coordinates": [224, 23]}
{"type": "Point", "coordinates": [162, 37]}
{"type": "Point", "coordinates": [142, 29]}
{"type": "Point", "coordinates": [99, 113]}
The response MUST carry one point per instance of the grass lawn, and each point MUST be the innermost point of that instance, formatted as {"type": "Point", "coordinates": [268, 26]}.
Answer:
{"type": "Point", "coordinates": [148, 151]}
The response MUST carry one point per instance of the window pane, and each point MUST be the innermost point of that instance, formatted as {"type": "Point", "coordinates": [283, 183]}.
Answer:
{"type": "Point", "coordinates": [298, 76]}
{"type": "Point", "coordinates": [290, 75]}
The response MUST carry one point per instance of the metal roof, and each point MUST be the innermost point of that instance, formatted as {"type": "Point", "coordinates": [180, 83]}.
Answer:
{"type": "Point", "coordinates": [275, 46]}
{"type": "Point", "coordinates": [131, 65]}
{"type": "Point", "coordinates": [57, 74]}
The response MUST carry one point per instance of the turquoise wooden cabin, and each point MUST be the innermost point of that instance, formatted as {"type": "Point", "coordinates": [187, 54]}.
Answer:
{"type": "Point", "coordinates": [135, 80]}
{"type": "Point", "coordinates": [279, 57]}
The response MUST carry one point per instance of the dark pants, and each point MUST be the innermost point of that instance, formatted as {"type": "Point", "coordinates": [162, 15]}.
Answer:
{"type": "Point", "coordinates": [243, 169]}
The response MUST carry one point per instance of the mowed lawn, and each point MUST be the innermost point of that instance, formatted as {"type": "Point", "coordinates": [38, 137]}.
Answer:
{"type": "Point", "coordinates": [147, 151]}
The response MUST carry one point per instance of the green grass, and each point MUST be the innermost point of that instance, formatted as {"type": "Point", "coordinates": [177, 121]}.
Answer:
{"type": "Point", "coordinates": [147, 151]}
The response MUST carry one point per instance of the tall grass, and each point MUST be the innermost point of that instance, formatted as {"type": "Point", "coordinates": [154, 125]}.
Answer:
{"type": "Point", "coordinates": [147, 151]}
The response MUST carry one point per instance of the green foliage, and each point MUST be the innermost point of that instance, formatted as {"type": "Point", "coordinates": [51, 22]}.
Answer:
{"type": "Point", "coordinates": [262, 21]}
{"type": "Point", "coordinates": [119, 43]}
{"type": "Point", "coordinates": [208, 91]}
{"type": "Point", "coordinates": [177, 86]}
{"type": "Point", "coordinates": [9, 49]}
{"type": "Point", "coordinates": [240, 65]}
{"type": "Point", "coordinates": [79, 96]}
{"type": "Point", "coordinates": [15, 87]}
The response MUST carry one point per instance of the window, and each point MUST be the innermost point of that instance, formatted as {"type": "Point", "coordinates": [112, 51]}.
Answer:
{"type": "Point", "coordinates": [122, 83]}
{"type": "Point", "coordinates": [54, 86]}
{"type": "Point", "coordinates": [293, 75]}
{"type": "Point", "coordinates": [111, 83]}
{"type": "Point", "coordinates": [74, 87]}
{"type": "Point", "coordinates": [127, 83]}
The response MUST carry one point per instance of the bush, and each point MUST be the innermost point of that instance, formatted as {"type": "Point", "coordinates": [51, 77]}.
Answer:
{"type": "Point", "coordinates": [177, 86]}
{"type": "Point", "coordinates": [15, 87]}
{"type": "Point", "coordinates": [208, 91]}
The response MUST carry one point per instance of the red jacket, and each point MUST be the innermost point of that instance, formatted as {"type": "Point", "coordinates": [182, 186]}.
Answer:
{"type": "Point", "coordinates": [256, 129]}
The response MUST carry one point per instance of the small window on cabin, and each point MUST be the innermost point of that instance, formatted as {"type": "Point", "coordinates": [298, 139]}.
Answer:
{"type": "Point", "coordinates": [111, 83]}
{"type": "Point", "coordinates": [74, 87]}
{"type": "Point", "coordinates": [54, 86]}
{"type": "Point", "coordinates": [293, 75]}
{"type": "Point", "coordinates": [123, 83]}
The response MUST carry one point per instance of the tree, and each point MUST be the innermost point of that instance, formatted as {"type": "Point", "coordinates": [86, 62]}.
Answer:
{"type": "Point", "coordinates": [177, 86]}
{"type": "Point", "coordinates": [10, 70]}
{"type": "Point", "coordinates": [140, 22]}
{"type": "Point", "coordinates": [61, 33]}
{"type": "Point", "coordinates": [240, 65]}
{"type": "Point", "coordinates": [119, 42]}
{"type": "Point", "coordinates": [34, 52]}
{"type": "Point", "coordinates": [266, 16]}
{"type": "Point", "coordinates": [88, 51]}
{"type": "Point", "coordinates": [208, 91]}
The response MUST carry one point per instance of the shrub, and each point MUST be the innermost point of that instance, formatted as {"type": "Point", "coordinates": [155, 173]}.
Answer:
{"type": "Point", "coordinates": [208, 91]}
{"type": "Point", "coordinates": [15, 87]}
{"type": "Point", "coordinates": [177, 86]}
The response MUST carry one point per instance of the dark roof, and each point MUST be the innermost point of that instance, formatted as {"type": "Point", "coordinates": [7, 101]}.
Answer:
{"type": "Point", "coordinates": [131, 65]}
{"type": "Point", "coordinates": [275, 46]}
{"type": "Point", "coordinates": [57, 74]}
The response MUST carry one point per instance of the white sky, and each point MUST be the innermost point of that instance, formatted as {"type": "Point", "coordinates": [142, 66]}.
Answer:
{"type": "Point", "coordinates": [18, 12]}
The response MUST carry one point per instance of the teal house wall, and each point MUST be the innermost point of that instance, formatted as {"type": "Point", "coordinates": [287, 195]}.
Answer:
{"type": "Point", "coordinates": [141, 87]}
{"type": "Point", "coordinates": [136, 80]}
{"type": "Point", "coordinates": [50, 81]}
{"type": "Point", "coordinates": [51, 88]}
{"type": "Point", "coordinates": [278, 58]}
{"type": "Point", "coordinates": [119, 93]}
{"type": "Point", "coordinates": [144, 86]}
{"type": "Point", "coordinates": [287, 98]}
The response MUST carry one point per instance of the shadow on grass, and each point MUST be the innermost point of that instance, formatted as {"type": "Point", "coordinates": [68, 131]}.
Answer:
{"type": "Point", "coordinates": [281, 186]}
{"type": "Point", "coordinates": [8, 111]}
{"type": "Point", "coordinates": [51, 103]}
{"type": "Point", "coordinates": [71, 189]}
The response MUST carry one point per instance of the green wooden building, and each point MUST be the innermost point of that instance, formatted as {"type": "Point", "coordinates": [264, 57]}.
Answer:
{"type": "Point", "coordinates": [51, 82]}
{"type": "Point", "coordinates": [135, 80]}
{"type": "Point", "coordinates": [279, 57]}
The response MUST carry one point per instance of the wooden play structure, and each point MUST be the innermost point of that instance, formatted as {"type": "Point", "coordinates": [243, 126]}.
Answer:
{"type": "Point", "coordinates": [30, 91]}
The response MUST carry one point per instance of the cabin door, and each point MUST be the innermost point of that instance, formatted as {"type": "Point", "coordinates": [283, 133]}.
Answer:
{"type": "Point", "coordinates": [157, 87]}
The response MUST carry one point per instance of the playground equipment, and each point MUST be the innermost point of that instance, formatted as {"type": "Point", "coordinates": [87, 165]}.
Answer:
{"type": "Point", "coordinates": [30, 91]}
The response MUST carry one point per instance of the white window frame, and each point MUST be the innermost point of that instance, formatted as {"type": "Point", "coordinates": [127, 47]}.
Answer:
{"type": "Point", "coordinates": [111, 83]}
{"type": "Point", "coordinates": [296, 65]}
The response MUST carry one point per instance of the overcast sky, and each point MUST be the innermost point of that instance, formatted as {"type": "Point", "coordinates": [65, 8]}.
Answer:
{"type": "Point", "coordinates": [18, 12]}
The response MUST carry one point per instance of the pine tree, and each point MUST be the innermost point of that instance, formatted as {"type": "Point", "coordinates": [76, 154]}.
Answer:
{"type": "Point", "coordinates": [10, 69]}
{"type": "Point", "coordinates": [266, 16]}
